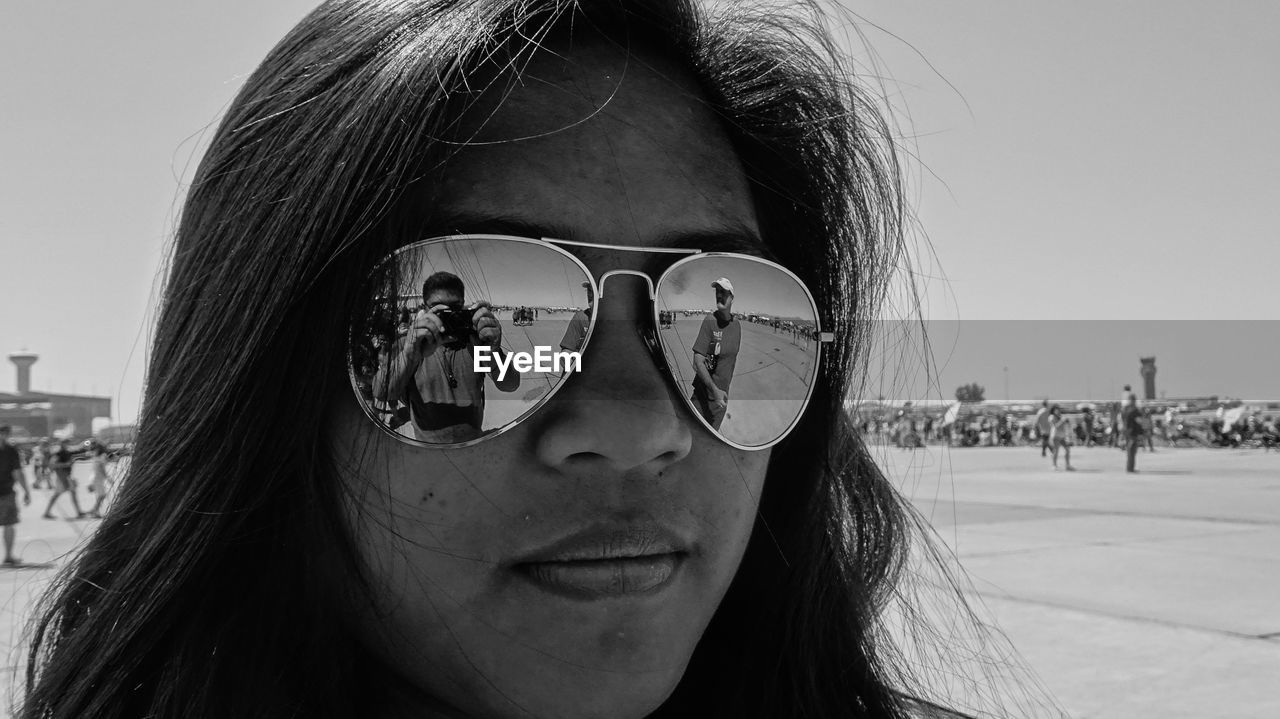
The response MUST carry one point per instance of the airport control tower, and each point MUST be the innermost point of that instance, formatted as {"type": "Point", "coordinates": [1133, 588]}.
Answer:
{"type": "Point", "coordinates": [34, 414]}
{"type": "Point", "coordinates": [23, 361]}
{"type": "Point", "coordinates": [1148, 377]}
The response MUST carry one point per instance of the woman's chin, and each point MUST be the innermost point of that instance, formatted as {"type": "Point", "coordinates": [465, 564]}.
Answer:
{"type": "Point", "coordinates": [608, 667]}
{"type": "Point", "coordinates": [593, 695]}
{"type": "Point", "coordinates": [553, 690]}
{"type": "Point", "coordinates": [544, 655]}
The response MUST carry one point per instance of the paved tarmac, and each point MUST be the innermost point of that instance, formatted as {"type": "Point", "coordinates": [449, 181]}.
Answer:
{"type": "Point", "coordinates": [1134, 596]}
{"type": "Point", "coordinates": [1146, 596]}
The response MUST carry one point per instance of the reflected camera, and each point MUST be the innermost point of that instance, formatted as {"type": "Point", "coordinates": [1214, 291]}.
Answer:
{"type": "Point", "coordinates": [457, 323]}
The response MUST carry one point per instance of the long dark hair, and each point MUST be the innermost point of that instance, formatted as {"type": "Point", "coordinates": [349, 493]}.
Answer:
{"type": "Point", "coordinates": [215, 586]}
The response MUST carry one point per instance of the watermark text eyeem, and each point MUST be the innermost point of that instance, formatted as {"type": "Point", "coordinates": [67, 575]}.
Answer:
{"type": "Point", "coordinates": [542, 359]}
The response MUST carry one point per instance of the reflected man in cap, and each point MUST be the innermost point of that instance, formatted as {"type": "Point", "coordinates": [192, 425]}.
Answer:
{"type": "Point", "coordinates": [715, 353]}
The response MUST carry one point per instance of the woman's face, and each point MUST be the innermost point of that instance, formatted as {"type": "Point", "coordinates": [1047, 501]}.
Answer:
{"type": "Point", "coordinates": [491, 593]}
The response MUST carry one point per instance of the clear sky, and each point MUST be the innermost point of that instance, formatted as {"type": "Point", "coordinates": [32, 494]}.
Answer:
{"type": "Point", "coordinates": [1076, 160]}
{"type": "Point", "coordinates": [1091, 159]}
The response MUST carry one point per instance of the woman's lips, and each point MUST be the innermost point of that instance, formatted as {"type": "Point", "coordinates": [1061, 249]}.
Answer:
{"type": "Point", "coordinates": [601, 578]}
{"type": "Point", "coordinates": [606, 561]}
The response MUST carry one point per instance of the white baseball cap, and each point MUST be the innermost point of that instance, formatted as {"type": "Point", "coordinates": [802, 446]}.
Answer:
{"type": "Point", "coordinates": [724, 283]}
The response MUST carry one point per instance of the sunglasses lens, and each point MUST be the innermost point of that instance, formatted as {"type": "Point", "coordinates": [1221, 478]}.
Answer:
{"type": "Point", "coordinates": [422, 358]}
{"type": "Point", "coordinates": [740, 337]}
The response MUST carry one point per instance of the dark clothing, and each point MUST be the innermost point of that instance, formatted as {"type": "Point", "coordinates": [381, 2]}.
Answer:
{"type": "Point", "coordinates": [1131, 416]}
{"type": "Point", "coordinates": [8, 510]}
{"type": "Point", "coordinates": [718, 343]}
{"type": "Point", "coordinates": [576, 333]}
{"type": "Point", "coordinates": [62, 468]}
{"type": "Point", "coordinates": [63, 456]}
{"type": "Point", "coordinates": [9, 461]}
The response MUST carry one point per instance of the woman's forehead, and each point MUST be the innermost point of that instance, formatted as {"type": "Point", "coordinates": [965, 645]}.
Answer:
{"type": "Point", "coordinates": [595, 144]}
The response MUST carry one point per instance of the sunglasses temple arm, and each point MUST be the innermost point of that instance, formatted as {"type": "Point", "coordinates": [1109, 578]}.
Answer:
{"type": "Point", "coordinates": [650, 339]}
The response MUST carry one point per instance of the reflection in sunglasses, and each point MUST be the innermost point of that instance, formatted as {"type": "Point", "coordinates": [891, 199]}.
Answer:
{"type": "Point", "coordinates": [723, 325]}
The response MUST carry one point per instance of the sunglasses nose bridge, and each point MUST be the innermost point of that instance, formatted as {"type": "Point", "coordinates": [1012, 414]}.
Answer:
{"type": "Point", "coordinates": [626, 316]}
{"type": "Point", "coordinates": [625, 301]}
{"type": "Point", "coordinates": [648, 281]}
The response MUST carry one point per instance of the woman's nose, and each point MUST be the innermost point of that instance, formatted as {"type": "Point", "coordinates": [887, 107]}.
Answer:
{"type": "Point", "coordinates": [619, 414]}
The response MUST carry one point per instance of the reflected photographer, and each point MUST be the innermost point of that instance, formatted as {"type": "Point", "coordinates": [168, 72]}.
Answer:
{"type": "Point", "coordinates": [715, 353]}
{"type": "Point", "coordinates": [430, 367]}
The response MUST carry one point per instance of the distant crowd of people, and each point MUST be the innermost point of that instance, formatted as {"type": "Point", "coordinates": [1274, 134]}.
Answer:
{"type": "Point", "coordinates": [1085, 426]}
{"type": "Point", "coordinates": [798, 330]}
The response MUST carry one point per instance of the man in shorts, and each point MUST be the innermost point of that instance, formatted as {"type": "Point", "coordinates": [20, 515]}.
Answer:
{"type": "Point", "coordinates": [715, 353]}
{"type": "Point", "coordinates": [10, 472]}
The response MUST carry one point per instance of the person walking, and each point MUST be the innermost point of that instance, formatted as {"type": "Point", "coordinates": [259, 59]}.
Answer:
{"type": "Point", "coordinates": [1122, 428]}
{"type": "Point", "coordinates": [40, 465]}
{"type": "Point", "coordinates": [10, 473]}
{"type": "Point", "coordinates": [61, 465]}
{"type": "Point", "coordinates": [1060, 436]}
{"type": "Point", "coordinates": [1042, 427]}
{"type": "Point", "coordinates": [101, 479]}
{"type": "Point", "coordinates": [1131, 417]}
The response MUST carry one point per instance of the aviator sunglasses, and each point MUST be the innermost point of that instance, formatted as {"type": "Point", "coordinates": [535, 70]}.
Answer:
{"type": "Point", "coordinates": [462, 337]}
